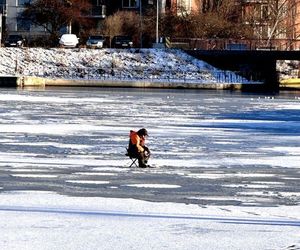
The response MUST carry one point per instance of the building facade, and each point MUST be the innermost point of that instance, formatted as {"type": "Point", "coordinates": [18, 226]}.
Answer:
{"type": "Point", "coordinates": [272, 19]}
{"type": "Point", "coordinates": [269, 19]}
{"type": "Point", "coordinates": [13, 24]}
{"type": "Point", "coordinates": [183, 7]}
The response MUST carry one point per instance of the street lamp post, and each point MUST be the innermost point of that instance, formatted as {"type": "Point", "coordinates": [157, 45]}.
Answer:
{"type": "Point", "coordinates": [157, 13]}
{"type": "Point", "coordinates": [0, 29]}
{"type": "Point", "coordinates": [141, 24]}
{"type": "Point", "coordinates": [69, 25]}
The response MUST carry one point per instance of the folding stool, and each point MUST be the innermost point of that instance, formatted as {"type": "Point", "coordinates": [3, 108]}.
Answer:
{"type": "Point", "coordinates": [132, 158]}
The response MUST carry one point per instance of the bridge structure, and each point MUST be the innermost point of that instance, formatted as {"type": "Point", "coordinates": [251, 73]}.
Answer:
{"type": "Point", "coordinates": [254, 65]}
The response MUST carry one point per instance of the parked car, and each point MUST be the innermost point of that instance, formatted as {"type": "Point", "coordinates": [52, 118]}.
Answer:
{"type": "Point", "coordinates": [95, 42]}
{"type": "Point", "coordinates": [15, 41]}
{"type": "Point", "coordinates": [68, 41]}
{"type": "Point", "coordinates": [122, 42]}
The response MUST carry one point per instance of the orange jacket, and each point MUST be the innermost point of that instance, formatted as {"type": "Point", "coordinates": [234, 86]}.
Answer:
{"type": "Point", "coordinates": [137, 140]}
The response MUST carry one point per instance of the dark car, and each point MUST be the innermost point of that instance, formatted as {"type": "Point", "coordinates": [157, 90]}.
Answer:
{"type": "Point", "coordinates": [122, 42]}
{"type": "Point", "coordinates": [15, 41]}
{"type": "Point", "coordinates": [95, 42]}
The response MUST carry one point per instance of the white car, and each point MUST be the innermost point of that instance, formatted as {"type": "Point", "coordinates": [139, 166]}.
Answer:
{"type": "Point", "coordinates": [68, 41]}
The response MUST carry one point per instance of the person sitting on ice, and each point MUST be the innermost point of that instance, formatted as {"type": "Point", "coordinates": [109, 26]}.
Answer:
{"type": "Point", "coordinates": [137, 148]}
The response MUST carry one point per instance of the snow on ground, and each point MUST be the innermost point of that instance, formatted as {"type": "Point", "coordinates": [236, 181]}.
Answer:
{"type": "Point", "coordinates": [150, 64]}
{"type": "Point", "coordinates": [45, 220]}
{"type": "Point", "coordinates": [288, 69]}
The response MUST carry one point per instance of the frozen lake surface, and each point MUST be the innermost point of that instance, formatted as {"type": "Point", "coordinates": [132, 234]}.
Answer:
{"type": "Point", "coordinates": [216, 150]}
{"type": "Point", "coordinates": [210, 147]}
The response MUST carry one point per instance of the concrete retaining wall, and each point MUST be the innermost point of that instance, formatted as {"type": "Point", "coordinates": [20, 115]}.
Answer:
{"type": "Point", "coordinates": [138, 84]}
{"type": "Point", "coordinates": [28, 81]}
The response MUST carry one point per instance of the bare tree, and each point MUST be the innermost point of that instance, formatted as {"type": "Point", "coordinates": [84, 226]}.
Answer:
{"type": "Point", "coordinates": [273, 19]}
{"type": "Point", "coordinates": [278, 10]}
{"type": "Point", "coordinates": [210, 5]}
{"type": "Point", "coordinates": [293, 22]}
{"type": "Point", "coordinates": [217, 19]}
{"type": "Point", "coordinates": [53, 15]}
{"type": "Point", "coordinates": [122, 23]}
{"type": "Point", "coordinates": [112, 25]}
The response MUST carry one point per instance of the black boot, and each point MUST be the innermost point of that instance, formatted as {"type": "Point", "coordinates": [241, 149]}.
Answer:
{"type": "Point", "coordinates": [142, 163]}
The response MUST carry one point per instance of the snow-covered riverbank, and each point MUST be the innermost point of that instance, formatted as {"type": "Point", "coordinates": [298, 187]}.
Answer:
{"type": "Point", "coordinates": [110, 63]}
{"type": "Point", "coordinates": [167, 65]}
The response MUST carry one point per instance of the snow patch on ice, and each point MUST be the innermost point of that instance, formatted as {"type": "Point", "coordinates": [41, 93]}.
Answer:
{"type": "Point", "coordinates": [30, 170]}
{"type": "Point", "coordinates": [288, 150]}
{"type": "Point", "coordinates": [225, 175]}
{"type": "Point", "coordinates": [153, 186]}
{"type": "Point", "coordinates": [246, 185]}
{"type": "Point", "coordinates": [88, 182]}
{"type": "Point", "coordinates": [34, 175]}
{"type": "Point", "coordinates": [95, 173]}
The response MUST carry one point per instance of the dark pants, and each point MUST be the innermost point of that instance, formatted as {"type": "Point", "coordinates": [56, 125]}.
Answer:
{"type": "Point", "coordinates": [141, 156]}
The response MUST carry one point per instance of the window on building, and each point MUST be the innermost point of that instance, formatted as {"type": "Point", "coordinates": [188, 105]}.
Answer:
{"type": "Point", "coordinates": [264, 31]}
{"type": "Point", "coordinates": [129, 3]}
{"type": "Point", "coordinates": [2, 6]}
{"type": "Point", "coordinates": [98, 8]}
{"type": "Point", "coordinates": [264, 12]}
{"type": "Point", "coordinates": [98, 2]}
{"type": "Point", "coordinates": [23, 2]}
{"type": "Point", "coordinates": [23, 24]}
{"type": "Point", "coordinates": [184, 7]}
